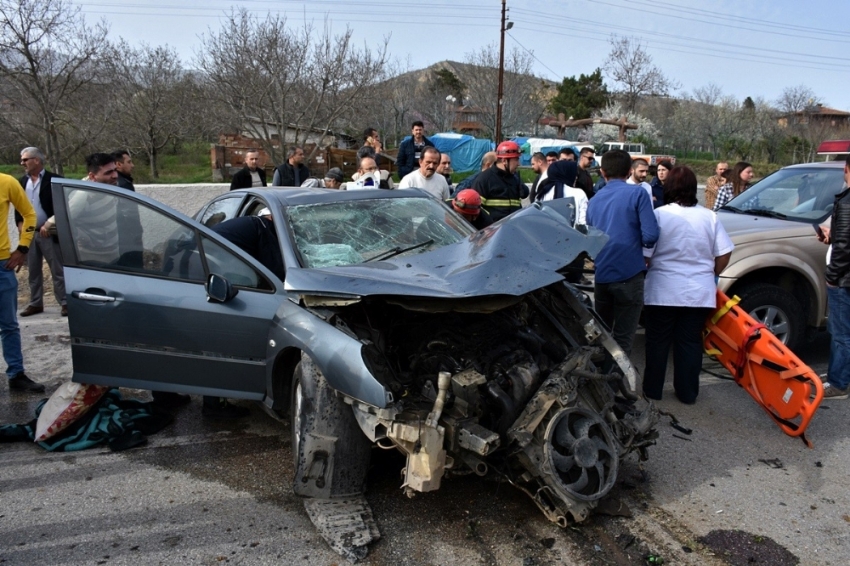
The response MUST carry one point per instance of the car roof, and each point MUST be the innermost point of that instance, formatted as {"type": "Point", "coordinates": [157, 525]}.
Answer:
{"type": "Point", "coordinates": [818, 165]}
{"type": "Point", "coordinates": [297, 196]}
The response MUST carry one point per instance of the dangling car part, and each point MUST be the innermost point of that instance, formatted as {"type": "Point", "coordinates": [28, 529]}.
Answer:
{"type": "Point", "coordinates": [394, 323]}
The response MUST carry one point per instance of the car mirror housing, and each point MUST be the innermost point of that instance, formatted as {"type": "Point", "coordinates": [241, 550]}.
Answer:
{"type": "Point", "coordinates": [219, 289]}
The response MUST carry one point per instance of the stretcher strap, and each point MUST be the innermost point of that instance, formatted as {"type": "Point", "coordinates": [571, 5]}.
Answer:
{"type": "Point", "coordinates": [750, 336]}
{"type": "Point", "coordinates": [730, 304]}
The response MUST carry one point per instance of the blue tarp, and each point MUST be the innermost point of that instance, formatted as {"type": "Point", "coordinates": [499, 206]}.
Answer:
{"type": "Point", "coordinates": [466, 151]}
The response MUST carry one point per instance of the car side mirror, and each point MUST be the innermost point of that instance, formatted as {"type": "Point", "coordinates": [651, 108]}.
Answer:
{"type": "Point", "coordinates": [219, 289]}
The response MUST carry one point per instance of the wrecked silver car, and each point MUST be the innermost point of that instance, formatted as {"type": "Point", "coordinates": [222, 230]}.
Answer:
{"type": "Point", "coordinates": [396, 324]}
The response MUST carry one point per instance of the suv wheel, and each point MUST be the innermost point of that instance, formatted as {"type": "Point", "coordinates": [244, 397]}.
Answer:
{"type": "Point", "coordinates": [777, 309]}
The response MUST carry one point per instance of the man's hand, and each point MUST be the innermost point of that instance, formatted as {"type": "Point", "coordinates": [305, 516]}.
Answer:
{"type": "Point", "coordinates": [16, 261]}
{"type": "Point", "coordinates": [44, 230]}
{"type": "Point", "coordinates": [823, 235]}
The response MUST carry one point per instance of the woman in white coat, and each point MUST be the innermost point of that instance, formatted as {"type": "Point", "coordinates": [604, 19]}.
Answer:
{"type": "Point", "coordinates": [680, 289]}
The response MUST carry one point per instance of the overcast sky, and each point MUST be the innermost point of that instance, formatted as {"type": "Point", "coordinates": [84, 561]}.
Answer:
{"type": "Point", "coordinates": [747, 47]}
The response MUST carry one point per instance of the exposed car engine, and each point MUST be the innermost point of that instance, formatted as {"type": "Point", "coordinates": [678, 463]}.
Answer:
{"type": "Point", "coordinates": [513, 386]}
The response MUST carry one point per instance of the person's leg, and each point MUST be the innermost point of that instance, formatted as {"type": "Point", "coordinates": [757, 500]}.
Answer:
{"type": "Point", "coordinates": [658, 323]}
{"type": "Point", "coordinates": [838, 373]}
{"type": "Point", "coordinates": [10, 333]}
{"type": "Point", "coordinates": [603, 303]}
{"type": "Point", "coordinates": [53, 257]}
{"type": "Point", "coordinates": [34, 276]}
{"type": "Point", "coordinates": [627, 303]}
{"type": "Point", "coordinates": [687, 351]}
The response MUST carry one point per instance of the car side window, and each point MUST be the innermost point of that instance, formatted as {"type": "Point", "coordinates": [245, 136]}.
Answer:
{"type": "Point", "coordinates": [222, 262]}
{"type": "Point", "coordinates": [114, 232]}
{"type": "Point", "coordinates": [221, 210]}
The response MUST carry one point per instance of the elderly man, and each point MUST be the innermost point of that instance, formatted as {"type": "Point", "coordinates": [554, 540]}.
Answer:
{"type": "Point", "coordinates": [252, 175]}
{"type": "Point", "coordinates": [333, 178]}
{"type": "Point", "coordinates": [445, 168]}
{"type": "Point", "coordinates": [487, 161]}
{"type": "Point", "coordinates": [426, 177]}
{"type": "Point", "coordinates": [292, 172]}
{"type": "Point", "coordinates": [715, 182]}
{"type": "Point", "coordinates": [36, 183]}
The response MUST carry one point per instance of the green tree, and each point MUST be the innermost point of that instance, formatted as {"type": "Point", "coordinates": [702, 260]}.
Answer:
{"type": "Point", "coordinates": [580, 97]}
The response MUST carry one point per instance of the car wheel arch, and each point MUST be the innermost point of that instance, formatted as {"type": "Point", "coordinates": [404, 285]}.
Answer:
{"type": "Point", "coordinates": [281, 380]}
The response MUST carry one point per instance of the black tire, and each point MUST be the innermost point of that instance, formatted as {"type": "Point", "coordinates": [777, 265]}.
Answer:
{"type": "Point", "coordinates": [778, 309]}
{"type": "Point", "coordinates": [330, 452]}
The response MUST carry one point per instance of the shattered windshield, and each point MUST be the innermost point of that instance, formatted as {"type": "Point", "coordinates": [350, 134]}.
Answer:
{"type": "Point", "coordinates": [793, 193]}
{"type": "Point", "coordinates": [347, 233]}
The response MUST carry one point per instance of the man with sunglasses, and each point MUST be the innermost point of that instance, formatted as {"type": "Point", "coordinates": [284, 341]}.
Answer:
{"type": "Point", "coordinates": [44, 247]}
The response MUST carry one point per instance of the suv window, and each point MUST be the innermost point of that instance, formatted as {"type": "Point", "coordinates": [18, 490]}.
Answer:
{"type": "Point", "coordinates": [799, 194]}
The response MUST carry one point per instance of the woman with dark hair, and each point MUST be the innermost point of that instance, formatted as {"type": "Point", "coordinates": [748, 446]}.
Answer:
{"type": "Point", "coordinates": [662, 170]}
{"type": "Point", "coordinates": [680, 289]}
{"type": "Point", "coordinates": [737, 181]}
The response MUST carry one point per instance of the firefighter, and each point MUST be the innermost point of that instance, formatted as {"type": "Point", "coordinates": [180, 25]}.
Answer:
{"type": "Point", "coordinates": [500, 188]}
{"type": "Point", "coordinates": [468, 204]}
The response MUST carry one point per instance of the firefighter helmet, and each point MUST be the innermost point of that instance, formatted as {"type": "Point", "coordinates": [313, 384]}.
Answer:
{"type": "Point", "coordinates": [507, 150]}
{"type": "Point", "coordinates": [467, 202]}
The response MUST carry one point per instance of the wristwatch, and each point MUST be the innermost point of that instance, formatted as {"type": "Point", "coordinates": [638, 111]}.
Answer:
{"type": "Point", "coordinates": [23, 249]}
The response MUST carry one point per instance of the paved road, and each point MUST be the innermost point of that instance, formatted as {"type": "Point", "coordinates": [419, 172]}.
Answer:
{"type": "Point", "coordinates": [206, 493]}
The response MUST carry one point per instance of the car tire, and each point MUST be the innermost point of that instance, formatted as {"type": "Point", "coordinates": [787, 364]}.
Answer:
{"type": "Point", "coordinates": [777, 309]}
{"type": "Point", "coordinates": [330, 451]}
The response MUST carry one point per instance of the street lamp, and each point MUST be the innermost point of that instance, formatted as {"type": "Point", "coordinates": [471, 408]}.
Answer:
{"type": "Point", "coordinates": [450, 102]}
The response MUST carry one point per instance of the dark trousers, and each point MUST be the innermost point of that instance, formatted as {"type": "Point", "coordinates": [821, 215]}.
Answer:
{"type": "Point", "coordinates": [682, 327]}
{"type": "Point", "coordinates": [619, 305]}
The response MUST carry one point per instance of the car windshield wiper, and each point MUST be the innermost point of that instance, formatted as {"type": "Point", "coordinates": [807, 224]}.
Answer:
{"type": "Point", "coordinates": [765, 212]}
{"type": "Point", "coordinates": [398, 250]}
{"type": "Point", "coordinates": [731, 209]}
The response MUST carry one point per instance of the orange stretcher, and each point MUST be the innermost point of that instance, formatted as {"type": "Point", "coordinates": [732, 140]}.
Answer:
{"type": "Point", "coordinates": [788, 390]}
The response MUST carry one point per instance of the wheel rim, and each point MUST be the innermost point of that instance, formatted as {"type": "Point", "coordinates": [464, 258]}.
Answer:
{"type": "Point", "coordinates": [296, 418]}
{"type": "Point", "coordinates": [775, 319]}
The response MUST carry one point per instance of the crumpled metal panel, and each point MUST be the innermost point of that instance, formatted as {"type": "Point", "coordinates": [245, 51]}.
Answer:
{"type": "Point", "coordinates": [512, 257]}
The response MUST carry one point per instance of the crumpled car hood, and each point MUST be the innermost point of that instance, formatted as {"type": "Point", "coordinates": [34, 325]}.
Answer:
{"type": "Point", "coordinates": [517, 255]}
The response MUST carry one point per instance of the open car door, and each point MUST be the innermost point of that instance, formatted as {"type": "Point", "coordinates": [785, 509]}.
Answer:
{"type": "Point", "coordinates": [139, 311]}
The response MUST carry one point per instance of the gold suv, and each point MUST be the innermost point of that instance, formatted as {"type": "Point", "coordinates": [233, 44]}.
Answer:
{"type": "Point", "coordinates": [778, 264]}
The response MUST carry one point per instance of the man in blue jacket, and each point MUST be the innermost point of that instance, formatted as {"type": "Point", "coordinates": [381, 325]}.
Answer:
{"type": "Point", "coordinates": [624, 213]}
{"type": "Point", "coordinates": [411, 149]}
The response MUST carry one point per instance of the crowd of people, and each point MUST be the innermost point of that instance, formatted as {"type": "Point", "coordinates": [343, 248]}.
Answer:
{"type": "Point", "coordinates": [662, 259]}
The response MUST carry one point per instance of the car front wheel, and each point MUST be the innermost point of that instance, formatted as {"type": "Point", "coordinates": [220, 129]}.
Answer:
{"type": "Point", "coordinates": [330, 451]}
{"type": "Point", "coordinates": [778, 310]}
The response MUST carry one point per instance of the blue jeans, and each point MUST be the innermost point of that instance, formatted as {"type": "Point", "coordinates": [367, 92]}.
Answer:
{"type": "Point", "coordinates": [10, 333]}
{"type": "Point", "coordinates": [838, 373]}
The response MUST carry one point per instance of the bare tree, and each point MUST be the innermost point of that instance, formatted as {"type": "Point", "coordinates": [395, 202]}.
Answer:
{"type": "Point", "coordinates": [277, 79]}
{"type": "Point", "coordinates": [47, 55]}
{"type": "Point", "coordinates": [630, 66]}
{"type": "Point", "coordinates": [150, 95]}
{"type": "Point", "coordinates": [797, 99]}
{"type": "Point", "coordinates": [525, 95]}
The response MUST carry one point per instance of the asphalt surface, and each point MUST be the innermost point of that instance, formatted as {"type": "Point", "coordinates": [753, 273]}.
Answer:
{"type": "Point", "coordinates": [734, 491]}
{"type": "Point", "coordinates": [210, 493]}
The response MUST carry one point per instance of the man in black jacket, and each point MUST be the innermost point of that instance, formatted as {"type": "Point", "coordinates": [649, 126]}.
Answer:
{"type": "Point", "coordinates": [500, 189]}
{"type": "Point", "coordinates": [124, 166]}
{"type": "Point", "coordinates": [411, 149]}
{"type": "Point", "coordinates": [252, 175]}
{"type": "Point", "coordinates": [837, 385]}
{"type": "Point", "coordinates": [292, 172]}
{"type": "Point", "coordinates": [36, 183]}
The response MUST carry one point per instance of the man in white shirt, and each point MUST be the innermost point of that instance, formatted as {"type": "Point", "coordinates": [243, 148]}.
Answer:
{"type": "Point", "coordinates": [640, 168]}
{"type": "Point", "coordinates": [425, 177]}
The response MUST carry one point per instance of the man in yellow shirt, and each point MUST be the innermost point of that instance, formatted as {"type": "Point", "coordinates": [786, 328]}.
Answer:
{"type": "Point", "coordinates": [12, 193]}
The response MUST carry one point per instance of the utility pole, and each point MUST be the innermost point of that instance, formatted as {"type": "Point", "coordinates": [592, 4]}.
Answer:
{"type": "Point", "coordinates": [502, 29]}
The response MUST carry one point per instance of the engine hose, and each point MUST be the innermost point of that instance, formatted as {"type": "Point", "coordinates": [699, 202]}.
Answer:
{"type": "Point", "coordinates": [505, 403]}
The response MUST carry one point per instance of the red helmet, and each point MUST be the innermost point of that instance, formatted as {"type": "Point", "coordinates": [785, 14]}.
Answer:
{"type": "Point", "coordinates": [468, 202]}
{"type": "Point", "coordinates": [507, 150]}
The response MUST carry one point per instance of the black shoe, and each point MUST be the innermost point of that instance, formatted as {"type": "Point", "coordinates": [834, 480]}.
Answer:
{"type": "Point", "coordinates": [218, 409]}
{"type": "Point", "coordinates": [22, 383]}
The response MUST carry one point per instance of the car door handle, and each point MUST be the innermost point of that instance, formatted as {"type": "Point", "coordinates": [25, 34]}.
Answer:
{"type": "Point", "coordinates": [93, 297]}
